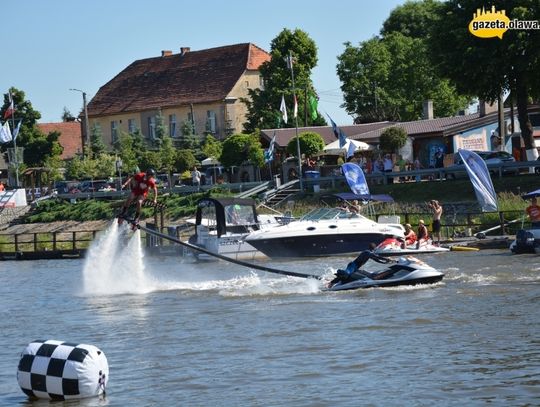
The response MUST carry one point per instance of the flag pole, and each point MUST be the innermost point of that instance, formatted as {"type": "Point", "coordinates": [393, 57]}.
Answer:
{"type": "Point", "coordinates": [14, 141]}
{"type": "Point", "coordinates": [290, 63]}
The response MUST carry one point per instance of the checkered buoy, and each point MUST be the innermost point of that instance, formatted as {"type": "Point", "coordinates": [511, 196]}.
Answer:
{"type": "Point", "coordinates": [62, 371]}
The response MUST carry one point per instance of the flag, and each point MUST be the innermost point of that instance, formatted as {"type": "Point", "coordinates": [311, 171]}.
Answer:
{"type": "Point", "coordinates": [355, 178]}
{"type": "Point", "coordinates": [16, 131]}
{"type": "Point", "coordinates": [351, 149]}
{"type": "Point", "coordinates": [338, 133]}
{"type": "Point", "coordinates": [313, 104]}
{"type": "Point", "coordinates": [479, 175]}
{"type": "Point", "coordinates": [295, 110]}
{"type": "Point", "coordinates": [9, 111]}
{"type": "Point", "coordinates": [283, 109]}
{"type": "Point", "coordinates": [290, 60]}
{"type": "Point", "coordinates": [5, 133]}
{"type": "Point", "coordinates": [269, 154]}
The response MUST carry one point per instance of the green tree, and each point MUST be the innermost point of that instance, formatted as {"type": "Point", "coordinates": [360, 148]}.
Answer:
{"type": "Point", "coordinates": [74, 168]}
{"type": "Point", "coordinates": [166, 150]}
{"type": "Point", "coordinates": [37, 146]}
{"type": "Point", "coordinates": [212, 147]}
{"type": "Point", "coordinates": [310, 144]}
{"type": "Point", "coordinates": [263, 104]}
{"type": "Point", "coordinates": [389, 79]}
{"type": "Point", "coordinates": [150, 159]}
{"type": "Point", "coordinates": [126, 152]}
{"type": "Point", "coordinates": [96, 141]}
{"type": "Point", "coordinates": [413, 19]}
{"type": "Point", "coordinates": [105, 166]}
{"type": "Point", "coordinates": [185, 160]}
{"type": "Point", "coordinates": [241, 147]}
{"type": "Point", "coordinates": [486, 67]}
{"type": "Point", "coordinates": [188, 139]}
{"type": "Point", "coordinates": [392, 139]}
{"type": "Point", "coordinates": [67, 116]}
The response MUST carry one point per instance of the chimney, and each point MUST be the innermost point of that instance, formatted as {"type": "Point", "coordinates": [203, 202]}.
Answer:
{"type": "Point", "coordinates": [184, 50]}
{"type": "Point", "coordinates": [427, 110]}
{"type": "Point", "coordinates": [485, 108]}
{"type": "Point", "coordinates": [166, 53]}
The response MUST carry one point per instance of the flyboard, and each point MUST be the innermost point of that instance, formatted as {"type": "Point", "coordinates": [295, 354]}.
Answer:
{"type": "Point", "coordinates": [129, 215]}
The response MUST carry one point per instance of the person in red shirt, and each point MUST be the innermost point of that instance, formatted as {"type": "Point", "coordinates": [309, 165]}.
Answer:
{"type": "Point", "coordinates": [533, 211]}
{"type": "Point", "coordinates": [140, 184]}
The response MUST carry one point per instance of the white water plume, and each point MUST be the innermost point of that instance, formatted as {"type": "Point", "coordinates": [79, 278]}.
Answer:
{"type": "Point", "coordinates": [114, 263]}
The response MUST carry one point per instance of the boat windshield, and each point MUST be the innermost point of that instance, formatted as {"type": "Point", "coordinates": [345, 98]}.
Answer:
{"type": "Point", "coordinates": [239, 215]}
{"type": "Point", "coordinates": [329, 214]}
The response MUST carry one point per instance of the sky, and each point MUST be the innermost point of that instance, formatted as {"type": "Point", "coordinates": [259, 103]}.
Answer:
{"type": "Point", "coordinates": [52, 46]}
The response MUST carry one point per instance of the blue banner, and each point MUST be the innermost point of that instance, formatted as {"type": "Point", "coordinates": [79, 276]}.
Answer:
{"type": "Point", "coordinates": [481, 180]}
{"type": "Point", "coordinates": [355, 178]}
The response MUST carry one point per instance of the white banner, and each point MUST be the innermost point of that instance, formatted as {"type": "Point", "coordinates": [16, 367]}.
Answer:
{"type": "Point", "coordinates": [481, 180]}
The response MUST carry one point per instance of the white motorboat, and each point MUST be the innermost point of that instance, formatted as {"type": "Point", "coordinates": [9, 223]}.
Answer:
{"type": "Point", "coordinates": [221, 224]}
{"type": "Point", "coordinates": [322, 232]}
{"type": "Point", "coordinates": [393, 247]}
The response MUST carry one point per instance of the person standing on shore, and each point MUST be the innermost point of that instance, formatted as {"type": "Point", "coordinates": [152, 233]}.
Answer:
{"type": "Point", "coordinates": [196, 177]}
{"type": "Point", "coordinates": [437, 213]}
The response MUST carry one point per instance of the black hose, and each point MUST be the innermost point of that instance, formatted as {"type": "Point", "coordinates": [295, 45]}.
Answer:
{"type": "Point", "coordinates": [220, 256]}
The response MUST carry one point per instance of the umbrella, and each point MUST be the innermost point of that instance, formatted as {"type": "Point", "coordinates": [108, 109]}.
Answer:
{"type": "Point", "coordinates": [333, 147]}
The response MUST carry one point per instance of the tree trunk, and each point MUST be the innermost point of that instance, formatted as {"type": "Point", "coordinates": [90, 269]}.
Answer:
{"type": "Point", "coordinates": [523, 118]}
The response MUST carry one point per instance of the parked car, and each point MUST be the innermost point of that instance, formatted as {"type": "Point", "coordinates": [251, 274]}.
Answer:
{"type": "Point", "coordinates": [97, 186]}
{"type": "Point", "coordinates": [490, 158]}
{"type": "Point", "coordinates": [215, 174]}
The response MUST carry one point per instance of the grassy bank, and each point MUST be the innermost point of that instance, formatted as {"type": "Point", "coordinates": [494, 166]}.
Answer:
{"type": "Point", "coordinates": [406, 195]}
{"type": "Point", "coordinates": [454, 190]}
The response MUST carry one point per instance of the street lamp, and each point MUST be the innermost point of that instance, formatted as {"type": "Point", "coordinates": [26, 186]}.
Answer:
{"type": "Point", "coordinates": [86, 125]}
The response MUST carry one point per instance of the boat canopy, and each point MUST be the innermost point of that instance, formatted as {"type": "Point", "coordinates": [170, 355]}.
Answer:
{"type": "Point", "coordinates": [533, 194]}
{"type": "Point", "coordinates": [226, 214]}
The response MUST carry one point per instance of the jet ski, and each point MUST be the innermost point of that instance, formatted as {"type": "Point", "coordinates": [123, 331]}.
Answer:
{"type": "Point", "coordinates": [405, 271]}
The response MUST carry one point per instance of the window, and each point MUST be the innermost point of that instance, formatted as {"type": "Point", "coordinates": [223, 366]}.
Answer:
{"type": "Point", "coordinates": [211, 121]}
{"type": "Point", "coordinates": [152, 128]}
{"type": "Point", "coordinates": [114, 131]}
{"type": "Point", "coordinates": [132, 126]}
{"type": "Point", "coordinates": [172, 125]}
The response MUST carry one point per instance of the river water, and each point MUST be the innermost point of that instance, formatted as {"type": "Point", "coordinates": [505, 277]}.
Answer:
{"type": "Point", "coordinates": [177, 332]}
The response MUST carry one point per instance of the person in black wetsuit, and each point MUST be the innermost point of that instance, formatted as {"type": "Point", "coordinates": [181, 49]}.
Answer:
{"type": "Point", "coordinates": [354, 266]}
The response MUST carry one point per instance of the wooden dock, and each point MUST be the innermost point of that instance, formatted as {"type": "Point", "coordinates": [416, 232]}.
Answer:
{"type": "Point", "coordinates": [55, 240]}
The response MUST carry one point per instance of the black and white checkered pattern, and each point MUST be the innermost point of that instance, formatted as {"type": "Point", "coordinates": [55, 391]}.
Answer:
{"type": "Point", "coordinates": [61, 370]}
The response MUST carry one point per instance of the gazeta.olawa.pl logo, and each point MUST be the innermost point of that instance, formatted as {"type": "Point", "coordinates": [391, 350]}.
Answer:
{"type": "Point", "coordinates": [489, 24]}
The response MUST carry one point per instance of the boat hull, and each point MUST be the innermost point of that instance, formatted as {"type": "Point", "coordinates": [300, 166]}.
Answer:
{"type": "Point", "coordinates": [368, 283]}
{"type": "Point", "coordinates": [316, 245]}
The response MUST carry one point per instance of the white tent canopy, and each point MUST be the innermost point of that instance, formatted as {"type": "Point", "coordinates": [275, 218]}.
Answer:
{"type": "Point", "coordinates": [210, 161]}
{"type": "Point", "coordinates": [333, 147]}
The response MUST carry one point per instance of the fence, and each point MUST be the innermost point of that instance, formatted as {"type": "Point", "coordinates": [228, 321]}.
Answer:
{"type": "Point", "coordinates": [46, 241]}
{"type": "Point", "coordinates": [461, 224]}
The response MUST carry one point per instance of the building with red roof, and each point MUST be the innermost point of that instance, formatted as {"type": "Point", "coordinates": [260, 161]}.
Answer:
{"type": "Point", "coordinates": [70, 137]}
{"type": "Point", "coordinates": [203, 87]}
